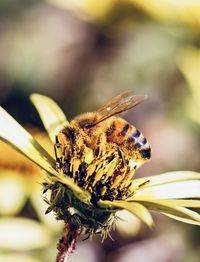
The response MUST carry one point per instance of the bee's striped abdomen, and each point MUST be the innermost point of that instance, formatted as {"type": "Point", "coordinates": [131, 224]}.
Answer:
{"type": "Point", "coordinates": [118, 130]}
{"type": "Point", "coordinates": [125, 129]}
{"type": "Point", "coordinates": [126, 135]}
{"type": "Point", "coordinates": [139, 142]}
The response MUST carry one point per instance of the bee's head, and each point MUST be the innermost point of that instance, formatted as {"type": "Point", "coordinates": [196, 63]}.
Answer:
{"type": "Point", "coordinates": [87, 120]}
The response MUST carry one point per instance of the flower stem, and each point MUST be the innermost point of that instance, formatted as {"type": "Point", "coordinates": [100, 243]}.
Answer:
{"type": "Point", "coordinates": [67, 243]}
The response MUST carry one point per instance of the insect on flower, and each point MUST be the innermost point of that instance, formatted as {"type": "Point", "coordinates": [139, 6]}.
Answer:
{"type": "Point", "coordinates": [101, 152]}
{"type": "Point", "coordinates": [91, 176]}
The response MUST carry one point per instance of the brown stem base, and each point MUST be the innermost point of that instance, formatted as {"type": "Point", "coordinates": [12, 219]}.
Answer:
{"type": "Point", "coordinates": [67, 243]}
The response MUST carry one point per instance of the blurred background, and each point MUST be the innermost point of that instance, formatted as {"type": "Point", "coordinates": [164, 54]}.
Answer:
{"type": "Point", "coordinates": [82, 53]}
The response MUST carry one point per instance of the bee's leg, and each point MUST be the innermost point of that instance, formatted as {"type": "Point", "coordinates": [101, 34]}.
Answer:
{"type": "Point", "coordinates": [60, 152]}
{"type": "Point", "coordinates": [139, 186]}
{"type": "Point", "coordinates": [57, 149]}
{"type": "Point", "coordinates": [144, 183]}
{"type": "Point", "coordinates": [95, 143]}
{"type": "Point", "coordinates": [99, 144]}
{"type": "Point", "coordinates": [121, 156]}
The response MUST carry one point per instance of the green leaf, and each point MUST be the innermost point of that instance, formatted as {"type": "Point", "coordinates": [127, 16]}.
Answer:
{"type": "Point", "coordinates": [51, 114]}
{"type": "Point", "coordinates": [14, 134]}
{"type": "Point", "coordinates": [136, 209]}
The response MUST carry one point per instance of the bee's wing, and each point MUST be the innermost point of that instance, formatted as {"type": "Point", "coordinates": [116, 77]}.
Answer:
{"type": "Point", "coordinates": [114, 101]}
{"type": "Point", "coordinates": [119, 104]}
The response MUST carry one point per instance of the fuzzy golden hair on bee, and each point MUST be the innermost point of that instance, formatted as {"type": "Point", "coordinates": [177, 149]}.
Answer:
{"type": "Point", "coordinates": [98, 149]}
{"type": "Point", "coordinates": [86, 120]}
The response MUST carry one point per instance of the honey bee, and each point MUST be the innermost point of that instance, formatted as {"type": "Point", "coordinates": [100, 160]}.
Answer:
{"type": "Point", "coordinates": [101, 151]}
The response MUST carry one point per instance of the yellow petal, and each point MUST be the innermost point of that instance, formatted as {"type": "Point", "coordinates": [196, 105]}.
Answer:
{"type": "Point", "coordinates": [12, 133]}
{"type": "Point", "coordinates": [17, 258]}
{"type": "Point", "coordinates": [184, 220]}
{"type": "Point", "coordinates": [127, 224]}
{"type": "Point", "coordinates": [21, 234]}
{"type": "Point", "coordinates": [165, 207]}
{"type": "Point", "coordinates": [12, 192]}
{"type": "Point", "coordinates": [183, 189]}
{"type": "Point", "coordinates": [173, 202]}
{"type": "Point", "coordinates": [27, 145]}
{"type": "Point", "coordinates": [165, 178]}
{"type": "Point", "coordinates": [136, 209]}
{"type": "Point", "coordinates": [51, 114]}
{"type": "Point", "coordinates": [172, 11]}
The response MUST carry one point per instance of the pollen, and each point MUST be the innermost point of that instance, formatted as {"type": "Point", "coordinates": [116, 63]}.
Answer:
{"type": "Point", "coordinates": [107, 176]}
